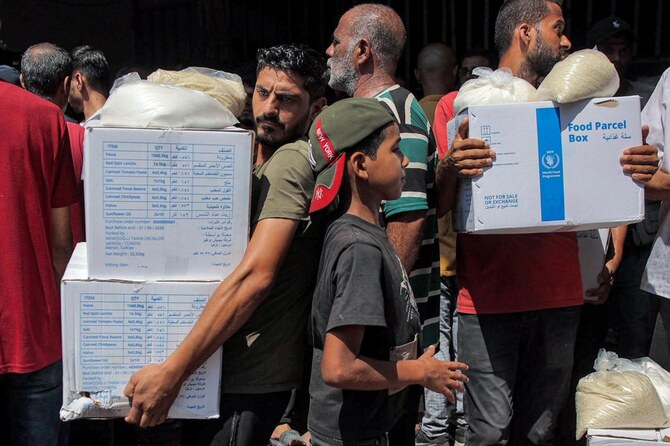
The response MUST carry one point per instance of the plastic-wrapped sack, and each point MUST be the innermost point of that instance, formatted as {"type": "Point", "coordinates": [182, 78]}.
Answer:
{"type": "Point", "coordinates": [660, 378]}
{"type": "Point", "coordinates": [582, 75]}
{"type": "Point", "coordinates": [617, 399]}
{"type": "Point", "coordinates": [134, 102]}
{"type": "Point", "coordinates": [493, 87]}
{"type": "Point", "coordinates": [227, 88]}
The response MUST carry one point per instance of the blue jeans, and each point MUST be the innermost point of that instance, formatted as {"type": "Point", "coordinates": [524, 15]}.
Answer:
{"type": "Point", "coordinates": [435, 420]}
{"type": "Point", "coordinates": [519, 369]}
{"type": "Point", "coordinates": [31, 404]}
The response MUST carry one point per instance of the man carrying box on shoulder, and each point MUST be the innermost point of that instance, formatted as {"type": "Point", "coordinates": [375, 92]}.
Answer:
{"type": "Point", "coordinates": [520, 296]}
{"type": "Point", "coordinates": [259, 313]}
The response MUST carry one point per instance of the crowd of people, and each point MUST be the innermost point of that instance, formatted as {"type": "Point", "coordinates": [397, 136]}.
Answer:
{"type": "Point", "coordinates": [357, 316]}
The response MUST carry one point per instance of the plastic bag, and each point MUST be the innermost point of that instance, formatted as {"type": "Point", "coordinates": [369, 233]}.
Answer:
{"type": "Point", "coordinates": [582, 75]}
{"type": "Point", "coordinates": [660, 378]}
{"type": "Point", "coordinates": [227, 88]}
{"type": "Point", "coordinates": [493, 87]}
{"type": "Point", "coordinates": [134, 102]}
{"type": "Point", "coordinates": [621, 398]}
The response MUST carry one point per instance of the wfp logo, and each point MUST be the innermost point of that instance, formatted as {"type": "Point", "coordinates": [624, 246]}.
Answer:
{"type": "Point", "coordinates": [551, 160]}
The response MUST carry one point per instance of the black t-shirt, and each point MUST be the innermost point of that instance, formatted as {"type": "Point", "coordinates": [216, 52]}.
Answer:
{"type": "Point", "coordinates": [361, 282]}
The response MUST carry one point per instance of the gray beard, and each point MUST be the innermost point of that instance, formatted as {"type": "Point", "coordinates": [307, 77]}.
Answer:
{"type": "Point", "coordinates": [345, 82]}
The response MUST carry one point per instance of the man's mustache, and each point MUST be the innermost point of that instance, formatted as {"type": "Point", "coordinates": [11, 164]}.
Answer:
{"type": "Point", "coordinates": [274, 119]}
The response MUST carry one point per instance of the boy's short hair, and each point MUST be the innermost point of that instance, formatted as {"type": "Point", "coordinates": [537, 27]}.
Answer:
{"type": "Point", "coordinates": [372, 142]}
{"type": "Point", "coordinates": [350, 123]}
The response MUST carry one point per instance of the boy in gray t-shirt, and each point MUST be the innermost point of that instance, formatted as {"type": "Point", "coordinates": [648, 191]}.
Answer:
{"type": "Point", "coordinates": [365, 321]}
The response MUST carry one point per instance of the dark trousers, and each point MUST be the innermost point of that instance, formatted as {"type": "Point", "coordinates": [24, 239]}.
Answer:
{"type": "Point", "coordinates": [246, 420]}
{"type": "Point", "coordinates": [403, 432]}
{"type": "Point", "coordinates": [635, 309]}
{"type": "Point", "coordinates": [30, 407]}
{"type": "Point", "coordinates": [320, 440]}
{"type": "Point", "coordinates": [519, 370]}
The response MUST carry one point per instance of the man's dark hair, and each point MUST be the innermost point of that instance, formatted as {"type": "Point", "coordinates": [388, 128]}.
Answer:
{"type": "Point", "coordinates": [92, 64]}
{"type": "Point", "coordinates": [371, 143]}
{"type": "Point", "coordinates": [44, 67]}
{"type": "Point", "coordinates": [515, 12]}
{"type": "Point", "coordinates": [300, 59]}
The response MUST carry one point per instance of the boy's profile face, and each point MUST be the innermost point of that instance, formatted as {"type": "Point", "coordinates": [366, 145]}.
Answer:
{"type": "Point", "coordinates": [386, 173]}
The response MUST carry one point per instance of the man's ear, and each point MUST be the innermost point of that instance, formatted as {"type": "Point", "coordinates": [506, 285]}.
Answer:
{"type": "Point", "coordinates": [23, 84]}
{"type": "Point", "coordinates": [363, 51]}
{"type": "Point", "coordinates": [525, 33]}
{"type": "Point", "coordinates": [317, 106]}
{"type": "Point", "coordinates": [357, 163]}
{"type": "Point", "coordinates": [66, 85]}
{"type": "Point", "coordinates": [78, 81]}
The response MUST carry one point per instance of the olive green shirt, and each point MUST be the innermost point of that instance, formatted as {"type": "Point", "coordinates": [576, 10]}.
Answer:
{"type": "Point", "coordinates": [266, 354]}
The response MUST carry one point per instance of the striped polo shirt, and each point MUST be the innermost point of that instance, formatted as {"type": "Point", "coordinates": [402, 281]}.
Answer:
{"type": "Point", "coordinates": [418, 145]}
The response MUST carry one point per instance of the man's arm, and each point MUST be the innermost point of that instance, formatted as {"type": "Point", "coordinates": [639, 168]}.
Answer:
{"type": "Point", "coordinates": [465, 158]}
{"type": "Point", "coordinates": [658, 188]}
{"type": "Point", "coordinates": [606, 275]}
{"type": "Point", "coordinates": [154, 388]}
{"type": "Point", "coordinates": [61, 240]}
{"type": "Point", "coordinates": [343, 367]}
{"type": "Point", "coordinates": [405, 231]}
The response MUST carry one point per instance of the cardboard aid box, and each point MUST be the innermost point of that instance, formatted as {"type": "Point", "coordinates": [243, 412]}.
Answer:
{"type": "Point", "coordinates": [111, 329]}
{"type": "Point", "coordinates": [556, 169]}
{"type": "Point", "coordinates": [166, 204]}
{"type": "Point", "coordinates": [611, 437]}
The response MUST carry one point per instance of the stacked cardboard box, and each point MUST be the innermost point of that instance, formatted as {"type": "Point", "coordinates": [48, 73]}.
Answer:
{"type": "Point", "coordinates": [167, 218]}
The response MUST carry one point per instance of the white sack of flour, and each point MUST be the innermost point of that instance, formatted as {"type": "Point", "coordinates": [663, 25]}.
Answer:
{"type": "Point", "coordinates": [227, 88]}
{"type": "Point", "coordinates": [582, 75]}
{"type": "Point", "coordinates": [139, 103]}
{"type": "Point", "coordinates": [493, 87]}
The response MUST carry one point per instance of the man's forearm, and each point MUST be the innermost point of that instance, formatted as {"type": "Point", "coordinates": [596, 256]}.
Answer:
{"type": "Point", "coordinates": [618, 238]}
{"type": "Point", "coordinates": [447, 188]}
{"type": "Point", "coordinates": [229, 308]}
{"type": "Point", "coordinates": [405, 231]}
{"type": "Point", "coordinates": [61, 240]}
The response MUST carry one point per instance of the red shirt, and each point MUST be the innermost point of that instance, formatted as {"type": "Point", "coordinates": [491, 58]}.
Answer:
{"type": "Point", "coordinates": [36, 174]}
{"type": "Point", "coordinates": [511, 273]}
{"type": "Point", "coordinates": [76, 133]}
{"type": "Point", "coordinates": [444, 112]}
